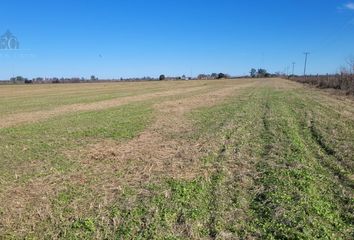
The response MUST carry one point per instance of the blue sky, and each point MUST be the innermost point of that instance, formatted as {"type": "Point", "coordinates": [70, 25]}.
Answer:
{"type": "Point", "coordinates": [126, 38]}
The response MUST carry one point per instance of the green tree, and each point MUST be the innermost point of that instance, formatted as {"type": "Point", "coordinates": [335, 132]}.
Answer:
{"type": "Point", "coordinates": [262, 72]}
{"type": "Point", "coordinates": [93, 78]}
{"type": "Point", "coordinates": [162, 77]}
{"type": "Point", "coordinates": [221, 75]}
{"type": "Point", "coordinates": [253, 73]}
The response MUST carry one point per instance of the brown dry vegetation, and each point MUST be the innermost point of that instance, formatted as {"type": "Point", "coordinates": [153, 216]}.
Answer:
{"type": "Point", "coordinates": [180, 160]}
{"type": "Point", "coordinates": [156, 151]}
{"type": "Point", "coordinates": [153, 153]}
{"type": "Point", "coordinates": [344, 82]}
{"type": "Point", "coordinates": [15, 119]}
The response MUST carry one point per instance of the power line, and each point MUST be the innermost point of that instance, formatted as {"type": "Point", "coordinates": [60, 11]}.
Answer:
{"type": "Point", "coordinates": [305, 67]}
{"type": "Point", "coordinates": [293, 68]}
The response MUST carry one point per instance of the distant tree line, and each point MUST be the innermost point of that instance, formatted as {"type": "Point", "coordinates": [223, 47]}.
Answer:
{"type": "Point", "coordinates": [260, 73]}
{"type": "Point", "coordinates": [213, 76]}
{"type": "Point", "coordinates": [40, 80]}
{"type": "Point", "coordinates": [93, 78]}
{"type": "Point", "coordinates": [54, 80]}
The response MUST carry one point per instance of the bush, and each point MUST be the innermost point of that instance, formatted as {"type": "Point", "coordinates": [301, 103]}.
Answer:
{"type": "Point", "coordinates": [343, 82]}
{"type": "Point", "coordinates": [162, 77]}
{"type": "Point", "coordinates": [222, 75]}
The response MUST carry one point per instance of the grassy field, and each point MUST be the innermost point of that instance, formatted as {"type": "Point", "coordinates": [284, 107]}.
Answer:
{"type": "Point", "coordinates": [228, 159]}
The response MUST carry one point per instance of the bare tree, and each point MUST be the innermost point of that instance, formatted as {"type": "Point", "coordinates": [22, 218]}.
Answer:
{"type": "Point", "coordinates": [350, 62]}
{"type": "Point", "coordinates": [344, 70]}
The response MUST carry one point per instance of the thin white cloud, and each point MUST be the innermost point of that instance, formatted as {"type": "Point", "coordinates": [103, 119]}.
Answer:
{"type": "Point", "coordinates": [349, 6]}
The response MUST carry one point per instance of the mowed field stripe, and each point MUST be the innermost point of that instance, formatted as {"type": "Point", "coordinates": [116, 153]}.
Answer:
{"type": "Point", "coordinates": [232, 160]}
{"type": "Point", "coordinates": [153, 153]}
{"type": "Point", "coordinates": [31, 117]}
{"type": "Point", "coordinates": [154, 149]}
{"type": "Point", "coordinates": [20, 118]}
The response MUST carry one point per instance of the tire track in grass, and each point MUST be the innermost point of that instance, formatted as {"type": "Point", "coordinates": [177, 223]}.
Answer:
{"type": "Point", "coordinates": [298, 199]}
{"type": "Point", "coordinates": [266, 134]}
{"type": "Point", "coordinates": [150, 147]}
{"type": "Point", "coordinates": [343, 185]}
{"type": "Point", "coordinates": [209, 204]}
{"type": "Point", "coordinates": [295, 197]}
{"type": "Point", "coordinates": [265, 180]}
{"type": "Point", "coordinates": [322, 122]}
{"type": "Point", "coordinates": [243, 156]}
{"type": "Point", "coordinates": [331, 130]}
{"type": "Point", "coordinates": [216, 180]}
{"type": "Point", "coordinates": [327, 155]}
{"type": "Point", "coordinates": [233, 164]}
{"type": "Point", "coordinates": [316, 135]}
{"type": "Point", "coordinates": [150, 166]}
{"type": "Point", "coordinates": [330, 159]}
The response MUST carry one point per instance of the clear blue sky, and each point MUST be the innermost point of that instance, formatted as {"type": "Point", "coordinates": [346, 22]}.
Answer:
{"type": "Point", "coordinates": [126, 38]}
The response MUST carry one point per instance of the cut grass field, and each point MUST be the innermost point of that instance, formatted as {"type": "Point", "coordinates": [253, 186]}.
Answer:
{"type": "Point", "coordinates": [228, 159]}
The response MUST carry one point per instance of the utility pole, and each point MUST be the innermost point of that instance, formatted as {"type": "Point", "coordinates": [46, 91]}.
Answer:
{"type": "Point", "coordinates": [293, 68]}
{"type": "Point", "coordinates": [306, 55]}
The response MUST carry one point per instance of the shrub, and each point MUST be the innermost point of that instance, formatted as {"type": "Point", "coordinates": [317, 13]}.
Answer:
{"type": "Point", "coordinates": [343, 82]}
{"type": "Point", "coordinates": [162, 77]}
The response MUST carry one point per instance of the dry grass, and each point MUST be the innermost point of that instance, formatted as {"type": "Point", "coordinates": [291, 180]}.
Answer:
{"type": "Point", "coordinates": [20, 118]}
{"type": "Point", "coordinates": [208, 138]}
{"type": "Point", "coordinates": [154, 154]}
